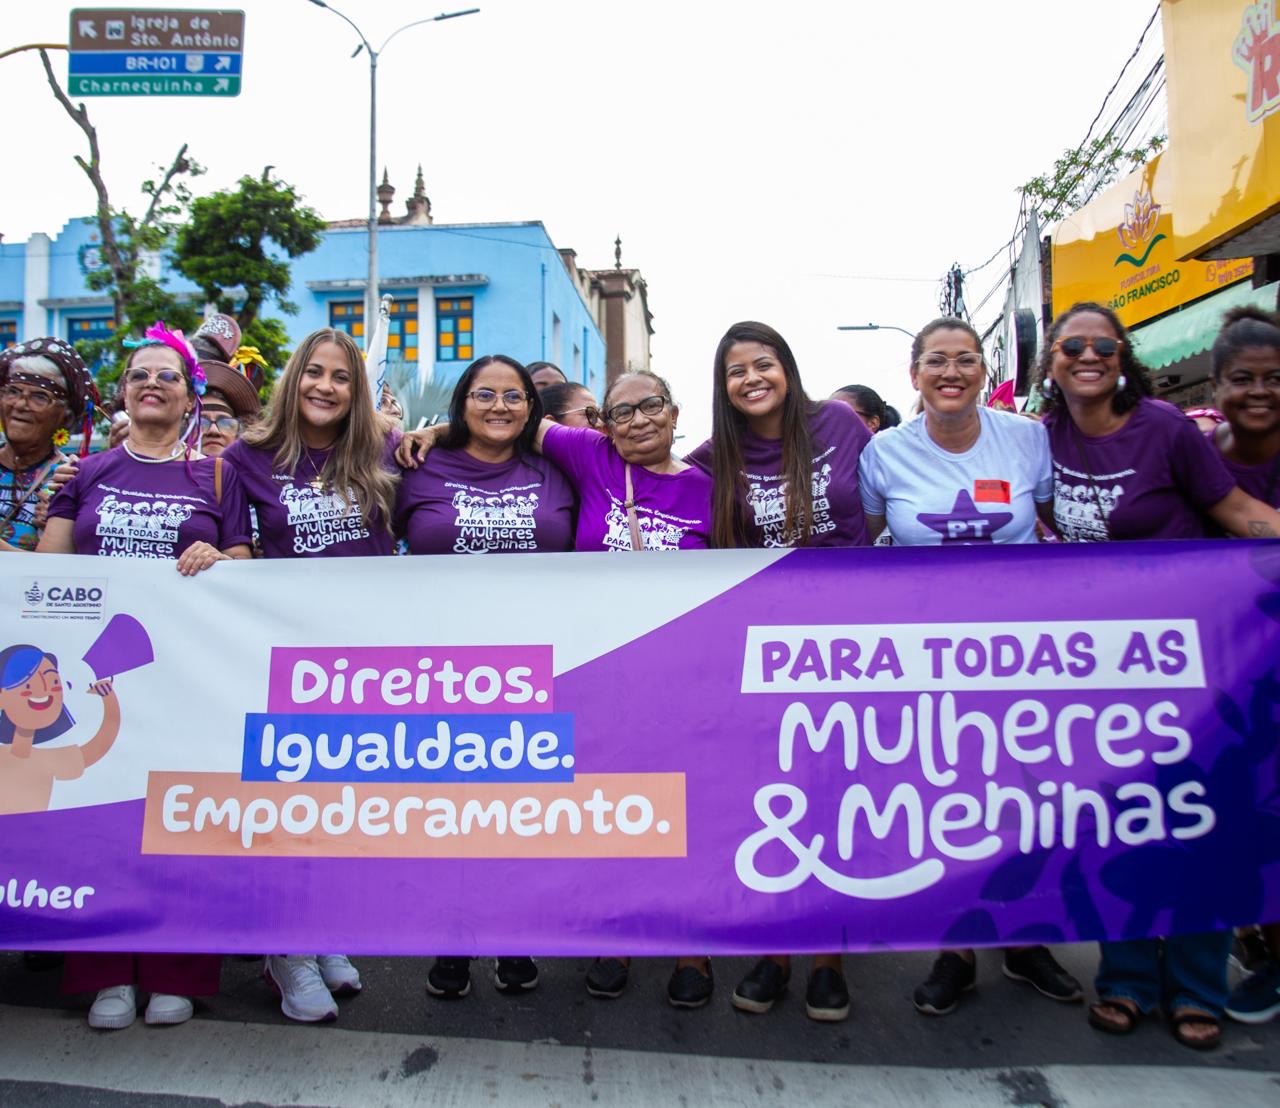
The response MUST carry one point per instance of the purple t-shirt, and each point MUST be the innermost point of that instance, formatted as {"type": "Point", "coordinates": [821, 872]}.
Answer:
{"type": "Point", "coordinates": [673, 510]}
{"type": "Point", "coordinates": [296, 519]}
{"type": "Point", "coordinates": [1152, 479]}
{"type": "Point", "coordinates": [838, 439]}
{"type": "Point", "coordinates": [456, 504]}
{"type": "Point", "coordinates": [1262, 482]}
{"type": "Point", "coordinates": [123, 508]}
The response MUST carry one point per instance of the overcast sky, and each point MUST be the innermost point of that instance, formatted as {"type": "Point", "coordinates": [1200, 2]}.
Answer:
{"type": "Point", "coordinates": [807, 164]}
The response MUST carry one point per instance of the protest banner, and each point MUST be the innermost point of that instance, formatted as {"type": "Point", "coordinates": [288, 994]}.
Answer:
{"type": "Point", "coordinates": [719, 751]}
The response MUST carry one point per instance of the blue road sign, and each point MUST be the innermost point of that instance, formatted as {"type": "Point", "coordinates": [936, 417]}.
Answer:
{"type": "Point", "coordinates": [135, 61]}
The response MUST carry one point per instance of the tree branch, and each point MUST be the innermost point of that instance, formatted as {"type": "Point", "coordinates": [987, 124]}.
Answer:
{"type": "Point", "coordinates": [180, 165]}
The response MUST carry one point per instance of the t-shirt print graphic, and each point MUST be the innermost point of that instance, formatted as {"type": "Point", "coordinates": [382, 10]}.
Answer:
{"type": "Point", "coordinates": [133, 527]}
{"type": "Point", "coordinates": [965, 523]}
{"type": "Point", "coordinates": [319, 518]}
{"type": "Point", "coordinates": [658, 531]}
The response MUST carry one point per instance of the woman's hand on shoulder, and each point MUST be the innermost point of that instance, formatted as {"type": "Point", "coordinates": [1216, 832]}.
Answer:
{"type": "Point", "coordinates": [416, 445]}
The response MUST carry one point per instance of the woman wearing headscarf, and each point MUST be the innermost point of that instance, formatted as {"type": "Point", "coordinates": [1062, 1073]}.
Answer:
{"type": "Point", "coordinates": [152, 497]}
{"type": "Point", "coordinates": [45, 391]}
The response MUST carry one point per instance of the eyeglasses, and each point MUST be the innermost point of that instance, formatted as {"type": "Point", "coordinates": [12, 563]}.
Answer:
{"type": "Point", "coordinates": [937, 363]}
{"type": "Point", "coordinates": [140, 376]}
{"type": "Point", "coordinates": [487, 398]}
{"type": "Point", "coordinates": [1075, 346]}
{"type": "Point", "coordinates": [37, 399]}
{"type": "Point", "coordinates": [624, 413]}
{"type": "Point", "coordinates": [226, 424]}
{"type": "Point", "coordinates": [590, 411]}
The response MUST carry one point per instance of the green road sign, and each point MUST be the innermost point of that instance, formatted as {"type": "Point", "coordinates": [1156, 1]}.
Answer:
{"type": "Point", "coordinates": [153, 84]}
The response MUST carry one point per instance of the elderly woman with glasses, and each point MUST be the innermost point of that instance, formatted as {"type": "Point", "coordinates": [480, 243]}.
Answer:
{"type": "Point", "coordinates": [151, 497]}
{"type": "Point", "coordinates": [45, 390]}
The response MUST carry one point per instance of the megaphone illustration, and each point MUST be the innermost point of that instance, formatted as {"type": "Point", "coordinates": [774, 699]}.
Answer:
{"type": "Point", "coordinates": [123, 645]}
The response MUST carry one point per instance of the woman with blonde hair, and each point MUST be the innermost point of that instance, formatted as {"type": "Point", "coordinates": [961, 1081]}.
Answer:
{"type": "Point", "coordinates": [318, 471]}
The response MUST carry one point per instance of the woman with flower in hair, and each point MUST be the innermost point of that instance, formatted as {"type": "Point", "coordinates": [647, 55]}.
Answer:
{"type": "Point", "coordinates": [46, 390]}
{"type": "Point", "coordinates": [319, 472]}
{"type": "Point", "coordinates": [154, 496]}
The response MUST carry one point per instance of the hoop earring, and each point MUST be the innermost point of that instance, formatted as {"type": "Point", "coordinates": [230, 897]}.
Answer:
{"type": "Point", "coordinates": [1046, 386]}
{"type": "Point", "coordinates": [1121, 382]}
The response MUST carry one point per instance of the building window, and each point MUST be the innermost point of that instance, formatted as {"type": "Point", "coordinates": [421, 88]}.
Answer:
{"type": "Point", "coordinates": [402, 334]}
{"type": "Point", "coordinates": [8, 333]}
{"type": "Point", "coordinates": [348, 316]}
{"type": "Point", "coordinates": [93, 328]}
{"type": "Point", "coordinates": [454, 329]}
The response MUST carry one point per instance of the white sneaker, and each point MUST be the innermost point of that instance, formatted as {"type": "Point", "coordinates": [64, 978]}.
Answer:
{"type": "Point", "coordinates": [340, 977]}
{"type": "Point", "coordinates": [114, 1008]}
{"type": "Point", "coordinates": [164, 1008]}
{"type": "Point", "coordinates": [303, 995]}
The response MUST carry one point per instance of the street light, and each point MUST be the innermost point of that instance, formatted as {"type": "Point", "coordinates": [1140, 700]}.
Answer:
{"type": "Point", "coordinates": [371, 288]}
{"type": "Point", "coordinates": [876, 327]}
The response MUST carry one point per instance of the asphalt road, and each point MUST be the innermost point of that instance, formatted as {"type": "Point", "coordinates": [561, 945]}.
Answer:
{"type": "Point", "coordinates": [556, 1045]}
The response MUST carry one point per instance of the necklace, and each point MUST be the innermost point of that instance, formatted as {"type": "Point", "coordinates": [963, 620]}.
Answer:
{"type": "Point", "coordinates": [177, 449]}
{"type": "Point", "coordinates": [316, 482]}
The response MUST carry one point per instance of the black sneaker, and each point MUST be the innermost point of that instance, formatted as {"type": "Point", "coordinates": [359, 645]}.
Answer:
{"type": "Point", "coordinates": [449, 978]}
{"type": "Point", "coordinates": [827, 997]}
{"type": "Point", "coordinates": [1039, 969]}
{"type": "Point", "coordinates": [515, 975]}
{"type": "Point", "coordinates": [951, 975]}
{"type": "Point", "coordinates": [761, 987]}
{"type": "Point", "coordinates": [689, 987]}
{"type": "Point", "coordinates": [607, 978]}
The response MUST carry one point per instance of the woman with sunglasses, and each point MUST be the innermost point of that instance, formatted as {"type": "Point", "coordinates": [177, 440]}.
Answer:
{"type": "Point", "coordinates": [785, 473]}
{"type": "Point", "coordinates": [151, 497]}
{"type": "Point", "coordinates": [1127, 466]}
{"type": "Point", "coordinates": [319, 474]}
{"type": "Point", "coordinates": [966, 474]}
{"type": "Point", "coordinates": [572, 405]}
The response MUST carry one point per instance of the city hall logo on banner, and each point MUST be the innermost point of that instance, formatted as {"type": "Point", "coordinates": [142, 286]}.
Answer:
{"type": "Point", "coordinates": [75, 598]}
{"type": "Point", "coordinates": [1138, 231]}
{"type": "Point", "coordinates": [1257, 51]}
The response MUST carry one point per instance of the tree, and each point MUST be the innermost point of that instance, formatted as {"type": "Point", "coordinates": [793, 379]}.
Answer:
{"type": "Point", "coordinates": [137, 298]}
{"type": "Point", "coordinates": [1080, 173]}
{"type": "Point", "coordinates": [226, 244]}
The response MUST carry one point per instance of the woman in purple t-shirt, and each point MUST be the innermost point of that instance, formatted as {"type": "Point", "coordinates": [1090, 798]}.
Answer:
{"type": "Point", "coordinates": [482, 490]}
{"type": "Point", "coordinates": [150, 497]}
{"type": "Point", "coordinates": [1127, 466]}
{"type": "Point", "coordinates": [785, 472]}
{"type": "Point", "coordinates": [318, 472]}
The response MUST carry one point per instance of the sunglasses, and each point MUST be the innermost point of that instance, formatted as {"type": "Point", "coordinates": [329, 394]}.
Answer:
{"type": "Point", "coordinates": [163, 376]}
{"type": "Point", "coordinates": [1074, 346]}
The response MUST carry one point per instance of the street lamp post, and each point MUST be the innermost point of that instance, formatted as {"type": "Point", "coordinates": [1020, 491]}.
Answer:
{"type": "Point", "coordinates": [371, 287]}
{"type": "Point", "coordinates": [875, 327]}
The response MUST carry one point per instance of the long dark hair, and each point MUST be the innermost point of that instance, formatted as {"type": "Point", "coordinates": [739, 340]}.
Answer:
{"type": "Point", "coordinates": [459, 436]}
{"type": "Point", "coordinates": [728, 426]}
{"type": "Point", "coordinates": [1137, 381]}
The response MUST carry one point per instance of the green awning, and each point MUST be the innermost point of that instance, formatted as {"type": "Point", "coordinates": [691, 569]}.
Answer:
{"type": "Point", "coordinates": [1188, 332]}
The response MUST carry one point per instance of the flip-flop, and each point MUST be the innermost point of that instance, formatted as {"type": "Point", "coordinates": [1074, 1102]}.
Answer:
{"type": "Point", "coordinates": [1177, 1023]}
{"type": "Point", "coordinates": [1126, 1026]}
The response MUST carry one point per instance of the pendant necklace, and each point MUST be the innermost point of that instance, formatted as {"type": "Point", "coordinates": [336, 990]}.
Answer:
{"type": "Point", "coordinates": [316, 482]}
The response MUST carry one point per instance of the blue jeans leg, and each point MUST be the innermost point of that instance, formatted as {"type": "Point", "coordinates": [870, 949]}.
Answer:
{"type": "Point", "coordinates": [1195, 971]}
{"type": "Point", "coordinates": [1130, 969]}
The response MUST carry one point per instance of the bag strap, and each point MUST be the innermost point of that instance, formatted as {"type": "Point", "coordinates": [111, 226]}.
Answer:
{"type": "Point", "coordinates": [632, 523]}
{"type": "Point", "coordinates": [217, 479]}
{"type": "Point", "coordinates": [36, 483]}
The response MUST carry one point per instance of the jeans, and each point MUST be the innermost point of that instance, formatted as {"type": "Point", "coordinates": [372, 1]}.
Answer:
{"type": "Point", "coordinates": [1182, 971]}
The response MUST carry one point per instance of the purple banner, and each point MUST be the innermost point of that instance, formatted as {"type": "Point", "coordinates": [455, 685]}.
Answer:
{"type": "Point", "coordinates": [721, 752]}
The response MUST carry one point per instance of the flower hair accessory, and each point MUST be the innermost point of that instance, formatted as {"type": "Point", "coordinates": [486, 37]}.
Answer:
{"type": "Point", "coordinates": [159, 335]}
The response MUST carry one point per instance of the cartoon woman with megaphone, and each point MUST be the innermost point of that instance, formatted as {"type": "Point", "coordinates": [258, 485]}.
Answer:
{"type": "Point", "coordinates": [31, 713]}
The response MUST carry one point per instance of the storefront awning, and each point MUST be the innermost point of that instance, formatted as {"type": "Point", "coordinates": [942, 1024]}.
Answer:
{"type": "Point", "coordinates": [1191, 330]}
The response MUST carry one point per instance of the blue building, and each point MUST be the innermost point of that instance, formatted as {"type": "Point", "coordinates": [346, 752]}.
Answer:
{"type": "Point", "coordinates": [460, 290]}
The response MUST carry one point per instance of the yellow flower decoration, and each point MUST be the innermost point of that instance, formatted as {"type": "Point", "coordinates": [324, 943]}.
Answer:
{"type": "Point", "coordinates": [247, 354]}
{"type": "Point", "coordinates": [61, 437]}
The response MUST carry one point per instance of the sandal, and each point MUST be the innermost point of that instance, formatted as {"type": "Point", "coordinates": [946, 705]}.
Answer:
{"type": "Point", "coordinates": [1125, 1023]}
{"type": "Point", "coordinates": [1204, 1019]}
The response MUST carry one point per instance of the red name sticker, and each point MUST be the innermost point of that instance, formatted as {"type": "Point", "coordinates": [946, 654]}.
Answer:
{"type": "Point", "coordinates": [991, 492]}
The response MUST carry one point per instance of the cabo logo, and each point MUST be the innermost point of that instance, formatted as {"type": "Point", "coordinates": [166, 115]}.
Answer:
{"type": "Point", "coordinates": [77, 598]}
